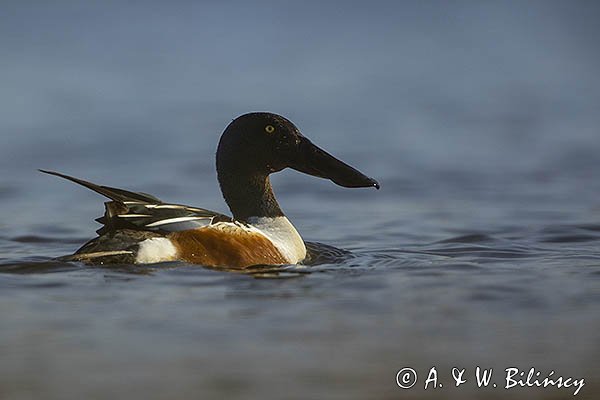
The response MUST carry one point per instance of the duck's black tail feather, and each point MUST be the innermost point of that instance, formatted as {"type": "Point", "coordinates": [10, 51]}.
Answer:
{"type": "Point", "coordinates": [144, 212]}
{"type": "Point", "coordinates": [115, 194]}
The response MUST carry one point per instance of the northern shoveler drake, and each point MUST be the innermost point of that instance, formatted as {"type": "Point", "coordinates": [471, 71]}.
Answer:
{"type": "Point", "coordinates": [140, 228]}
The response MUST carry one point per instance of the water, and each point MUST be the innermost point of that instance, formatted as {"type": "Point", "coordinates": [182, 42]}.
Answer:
{"type": "Point", "coordinates": [481, 249]}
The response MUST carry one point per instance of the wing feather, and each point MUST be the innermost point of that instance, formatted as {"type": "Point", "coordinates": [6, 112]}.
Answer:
{"type": "Point", "coordinates": [144, 212]}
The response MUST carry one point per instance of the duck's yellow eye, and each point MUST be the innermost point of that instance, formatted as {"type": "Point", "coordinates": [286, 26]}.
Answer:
{"type": "Point", "coordinates": [269, 129]}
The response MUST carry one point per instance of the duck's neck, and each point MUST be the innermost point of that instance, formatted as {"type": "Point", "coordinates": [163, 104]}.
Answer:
{"type": "Point", "coordinates": [248, 195]}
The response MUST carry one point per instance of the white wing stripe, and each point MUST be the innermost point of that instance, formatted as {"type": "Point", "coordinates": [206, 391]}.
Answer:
{"type": "Point", "coordinates": [174, 220]}
{"type": "Point", "coordinates": [171, 206]}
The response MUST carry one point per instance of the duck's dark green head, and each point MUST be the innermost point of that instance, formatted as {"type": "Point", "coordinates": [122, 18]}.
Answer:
{"type": "Point", "coordinates": [263, 143]}
{"type": "Point", "coordinates": [257, 144]}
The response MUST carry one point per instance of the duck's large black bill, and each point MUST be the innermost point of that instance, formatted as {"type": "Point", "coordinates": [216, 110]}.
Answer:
{"type": "Point", "coordinates": [315, 161]}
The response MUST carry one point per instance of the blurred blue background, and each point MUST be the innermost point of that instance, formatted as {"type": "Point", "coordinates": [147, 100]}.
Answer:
{"type": "Point", "coordinates": [479, 118]}
{"type": "Point", "coordinates": [506, 86]}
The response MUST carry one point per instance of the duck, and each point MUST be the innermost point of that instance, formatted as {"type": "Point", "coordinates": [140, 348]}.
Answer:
{"type": "Point", "coordinates": [138, 228]}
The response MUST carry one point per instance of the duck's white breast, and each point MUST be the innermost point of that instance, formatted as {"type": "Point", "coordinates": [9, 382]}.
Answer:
{"type": "Point", "coordinates": [281, 232]}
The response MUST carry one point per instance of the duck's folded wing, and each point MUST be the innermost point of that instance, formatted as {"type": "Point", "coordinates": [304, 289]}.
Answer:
{"type": "Point", "coordinates": [157, 217]}
{"type": "Point", "coordinates": [141, 211]}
